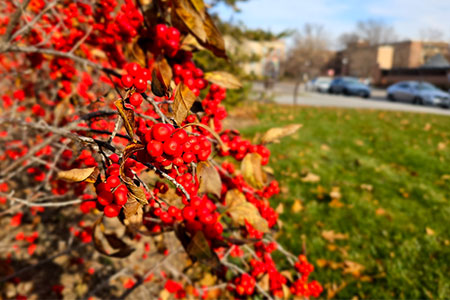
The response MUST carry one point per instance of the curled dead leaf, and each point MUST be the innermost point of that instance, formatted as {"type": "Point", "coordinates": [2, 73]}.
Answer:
{"type": "Point", "coordinates": [310, 177]}
{"type": "Point", "coordinates": [127, 117]}
{"type": "Point", "coordinates": [274, 134]}
{"type": "Point", "coordinates": [331, 236]}
{"type": "Point", "coordinates": [209, 179]}
{"type": "Point", "coordinates": [224, 79]}
{"type": "Point", "coordinates": [183, 101]}
{"type": "Point", "coordinates": [161, 77]}
{"type": "Point", "coordinates": [79, 175]}
{"type": "Point", "coordinates": [252, 171]}
{"type": "Point", "coordinates": [246, 211]}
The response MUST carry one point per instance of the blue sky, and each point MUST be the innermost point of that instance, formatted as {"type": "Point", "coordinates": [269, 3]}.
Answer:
{"type": "Point", "coordinates": [408, 17]}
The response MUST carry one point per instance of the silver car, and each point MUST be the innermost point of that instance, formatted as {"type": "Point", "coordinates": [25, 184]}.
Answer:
{"type": "Point", "coordinates": [322, 84]}
{"type": "Point", "coordinates": [418, 92]}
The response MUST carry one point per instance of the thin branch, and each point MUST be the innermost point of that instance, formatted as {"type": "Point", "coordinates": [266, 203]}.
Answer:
{"type": "Point", "coordinates": [15, 18]}
{"type": "Point", "coordinates": [43, 204]}
{"type": "Point", "coordinates": [148, 273]}
{"type": "Point", "coordinates": [156, 107]}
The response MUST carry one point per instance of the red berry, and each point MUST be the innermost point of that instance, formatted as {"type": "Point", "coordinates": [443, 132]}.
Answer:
{"type": "Point", "coordinates": [155, 148]}
{"type": "Point", "coordinates": [162, 132]}
{"type": "Point", "coordinates": [173, 34]}
{"type": "Point", "coordinates": [120, 195]}
{"type": "Point", "coordinates": [172, 148]}
{"type": "Point", "coordinates": [180, 136]}
{"type": "Point", "coordinates": [140, 83]}
{"type": "Point", "coordinates": [161, 30]}
{"type": "Point", "coordinates": [127, 81]}
{"type": "Point", "coordinates": [105, 197]}
{"type": "Point", "coordinates": [188, 213]}
{"type": "Point", "coordinates": [111, 210]}
{"type": "Point", "coordinates": [133, 69]}
{"type": "Point", "coordinates": [113, 181]}
{"type": "Point", "coordinates": [136, 99]}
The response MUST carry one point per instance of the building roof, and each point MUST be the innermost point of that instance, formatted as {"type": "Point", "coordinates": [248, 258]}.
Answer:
{"type": "Point", "coordinates": [436, 61]}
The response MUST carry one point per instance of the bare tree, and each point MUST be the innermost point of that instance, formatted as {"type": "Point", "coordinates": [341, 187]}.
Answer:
{"type": "Point", "coordinates": [376, 32]}
{"type": "Point", "coordinates": [309, 54]}
{"type": "Point", "coordinates": [346, 39]}
{"type": "Point", "coordinates": [431, 34]}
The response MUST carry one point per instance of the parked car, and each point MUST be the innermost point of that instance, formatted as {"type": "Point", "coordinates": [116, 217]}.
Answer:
{"type": "Point", "coordinates": [418, 92]}
{"type": "Point", "coordinates": [349, 86]}
{"type": "Point", "coordinates": [322, 84]}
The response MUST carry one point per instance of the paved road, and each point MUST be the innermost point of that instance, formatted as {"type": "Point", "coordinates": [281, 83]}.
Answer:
{"type": "Point", "coordinates": [283, 93]}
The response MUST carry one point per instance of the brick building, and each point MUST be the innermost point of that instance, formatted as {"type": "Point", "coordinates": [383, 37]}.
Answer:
{"type": "Point", "coordinates": [390, 63]}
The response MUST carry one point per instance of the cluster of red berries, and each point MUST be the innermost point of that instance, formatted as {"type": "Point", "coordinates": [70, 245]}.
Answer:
{"type": "Point", "coordinates": [167, 39]}
{"type": "Point", "coordinates": [113, 194]}
{"type": "Point", "coordinates": [213, 110]}
{"type": "Point", "coordinates": [136, 76]}
{"type": "Point", "coordinates": [239, 148]}
{"type": "Point", "coordinates": [201, 215]}
{"type": "Point", "coordinates": [190, 75]}
{"type": "Point", "coordinates": [166, 146]}
{"type": "Point", "coordinates": [245, 285]}
{"type": "Point", "coordinates": [301, 287]}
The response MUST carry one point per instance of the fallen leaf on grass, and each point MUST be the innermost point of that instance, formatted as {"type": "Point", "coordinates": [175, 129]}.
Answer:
{"type": "Point", "coordinates": [353, 268]}
{"type": "Point", "coordinates": [441, 146]}
{"type": "Point", "coordinates": [427, 127]}
{"type": "Point", "coordinates": [335, 203]}
{"type": "Point", "coordinates": [297, 206]}
{"type": "Point", "coordinates": [310, 177]}
{"type": "Point", "coordinates": [335, 193]}
{"type": "Point", "coordinates": [429, 231]}
{"type": "Point", "coordinates": [331, 236]}
{"type": "Point", "coordinates": [324, 147]}
{"type": "Point", "coordinates": [380, 212]}
{"type": "Point", "coordinates": [367, 187]}
{"type": "Point", "coordinates": [333, 289]}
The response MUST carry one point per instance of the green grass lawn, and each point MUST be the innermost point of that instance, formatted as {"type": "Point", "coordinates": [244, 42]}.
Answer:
{"type": "Point", "coordinates": [390, 209]}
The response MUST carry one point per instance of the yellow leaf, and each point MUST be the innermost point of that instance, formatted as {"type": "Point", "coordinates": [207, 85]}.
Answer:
{"type": "Point", "coordinates": [252, 172]}
{"type": "Point", "coordinates": [353, 268]}
{"type": "Point", "coordinates": [311, 177]}
{"type": "Point", "coordinates": [77, 175]}
{"type": "Point", "coordinates": [224, 79]}
{"type": "Point", "coordinates": [429, 231]}
{"type": "Point", "coordinates": [190, 18]}
{"type": "Point", "coordinates": [209, 179]}
{"type": "Point", "coordinates": [248, 212]}
{"type": "Point", "coordinates": [335, 193]}
{"type": "Point", "coordinates": [331, 236]}
{"type": "Point", "coordinates": [274, 134]}
{"type": "Point", "coordinates": [234, 197]}
{"type": "Point", "coordinates": [127, 117]}
{"type": "Point", "coordinates": [161, 77]}
{"type": "Point", "coordinates": [184, 98]}
{"type": "Point", "coordinates": [297, 206]}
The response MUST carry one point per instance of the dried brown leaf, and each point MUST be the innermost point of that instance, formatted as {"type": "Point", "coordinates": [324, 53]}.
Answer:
{"type": "Point", "coordinates": [252, 171]}
{"type": "Point", "coordinates": [127, 117]}
{"type": "Point", "coordinates": [161, 77]}
{"type": "Point", "coordinates": [209, 179]}
{"type": "Point", "coordinates": [127, 152]}
{"type": "Point", "coordinates": [224, 79]}
{"type": "Point", "coordinates": [184, 98]}
{"type": "Point", "coordinates": [199, 249]}
{"type": "Point", "coordinates": [78, 175]}
{"type": "Point", "coordinates": [234, 197]}
{"type": "Point", "coordinates": [274, 134]}
{"type": "Point", "coordinates": [102, 240]}
{"type": "Point", "coordinates": [248, 212]}
{"type": "Point", "coordinates": [185, 12]}
{"type": "Point", "coordinates": [310, 177]}
{"type": "Point", "coordinates": [331, 236]}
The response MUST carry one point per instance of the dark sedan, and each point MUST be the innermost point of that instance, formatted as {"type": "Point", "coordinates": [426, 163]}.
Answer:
{"type": "Point", "coordinates": [349, 86]}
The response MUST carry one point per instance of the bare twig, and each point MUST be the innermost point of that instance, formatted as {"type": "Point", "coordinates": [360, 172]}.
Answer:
{"type": "Point", "coordinates": [148, 273]}
{"type": "Point", "coordinates": [15, 18]}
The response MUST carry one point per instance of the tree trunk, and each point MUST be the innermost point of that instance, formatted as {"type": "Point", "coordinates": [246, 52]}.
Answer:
{"type": "Point", "coordinates": [296, 87]}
